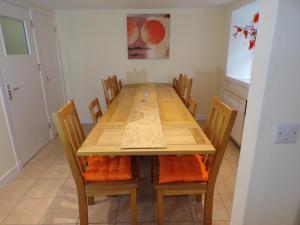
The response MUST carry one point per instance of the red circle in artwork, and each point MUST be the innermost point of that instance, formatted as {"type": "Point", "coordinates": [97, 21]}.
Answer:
{"type": "Point", "coordinates": [153, 32]}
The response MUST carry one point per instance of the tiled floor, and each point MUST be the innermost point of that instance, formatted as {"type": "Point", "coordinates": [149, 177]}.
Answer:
{"type": "Point", "coordinates": [44, 193]}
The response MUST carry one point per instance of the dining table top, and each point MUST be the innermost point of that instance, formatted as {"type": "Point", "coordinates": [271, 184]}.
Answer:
{"type": "Point", "coordinates": [146, 119]}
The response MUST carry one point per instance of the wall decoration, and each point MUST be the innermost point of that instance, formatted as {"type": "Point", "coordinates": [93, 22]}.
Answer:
{"type": "Point", "coordinates": [148, 36]}
{"type": "Point", "coordinates": [249, 31]}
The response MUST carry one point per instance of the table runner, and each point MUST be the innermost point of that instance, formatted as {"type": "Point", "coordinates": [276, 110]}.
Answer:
{"type": "Point", "coordinates": [143, 128]}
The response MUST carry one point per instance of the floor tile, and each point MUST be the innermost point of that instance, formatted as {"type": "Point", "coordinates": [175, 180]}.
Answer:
{"type": "Point", "coordinates": [145, 210]}
{"type": "Point", "coordinates": [234, 163]}
{"type": "Point", "coordinates": [68, 189]}
{"type": "Point", "coordinates": [221, 222]}
{"type": "Point", "coordinates": [232, 152]}
{"type": "Point", "coordinates": [28, 211]}
{"type": "Point", "coordinates": [57, 171]}
{"type": "Point", "coordinates": [16, 188]}
{"type": "Point", "coordinates": [48, 175]}
{"type": "Point", "coordinates": [61, 158]}
{"type": "Point", "coordinates": [45, 188]}
{"type": "Point", "coordinates": [225, 183]}
{"type": "Point", "coordinates": [61, 211]}
{"type": "Point", "coordinates": [104, 210]}
{"type": "Point", "coordinates": [31, 172]}
{"type": "Point", "coordinates": [226, 168]}
{"type": "Point", "coordinates": [227, 200]}
{"type": "Point", "coordinates": [137, 224]}
{"type": "Point", "coordinates": [219, 210]}
{"type": "Point", "coordinates": [178, 223]}
{"type": "Point", "coordinates": [46, 155]}
{"type": "Point", "coordinates": [6, 206]}
{"type": "Point", "coordinates": [176, 209]}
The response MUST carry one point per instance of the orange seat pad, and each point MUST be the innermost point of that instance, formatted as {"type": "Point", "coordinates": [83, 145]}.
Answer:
{"type": "Point", "coordinates": [105, 168]}
{"type": "Point", "coordinates": [182, 168]}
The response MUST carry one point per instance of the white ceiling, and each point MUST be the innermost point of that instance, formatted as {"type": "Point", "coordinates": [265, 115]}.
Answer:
{"type": "Point", "coordinates": [126, 4]}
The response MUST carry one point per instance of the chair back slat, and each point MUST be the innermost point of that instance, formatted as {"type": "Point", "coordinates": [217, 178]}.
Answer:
{"type": "Point", "coordinates": [186, 89]}
{"type": "Point", "coordinates": [109, 92]}
{"type": "Point", "coordinates": [217, 129]}
{"type": "Point", "coordinates": [72, 136]}
{"type": "Point", "coordinates": [179, 84]}
{"type": "Point", "coordinates": [174, 84]}
{"type": "Point", "coordinates": [95, 110]}
{"type": "Point", "coordinates": [120, 84]}
{"type": "Point", "coordinates": [192, 106]}
{"type": "Point", "coordinates": [115, 85]}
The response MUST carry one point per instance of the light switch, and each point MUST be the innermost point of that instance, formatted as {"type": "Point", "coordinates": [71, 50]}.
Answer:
{"type": "Point", "coordinates": [287, 133]}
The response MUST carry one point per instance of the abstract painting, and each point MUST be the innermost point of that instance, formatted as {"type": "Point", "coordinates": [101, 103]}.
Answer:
{"type": "Point", "coordinates": [148, 36]}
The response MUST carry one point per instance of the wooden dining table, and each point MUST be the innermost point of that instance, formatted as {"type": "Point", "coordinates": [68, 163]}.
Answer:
{"type": "Point", "coordinates": [146, 119]}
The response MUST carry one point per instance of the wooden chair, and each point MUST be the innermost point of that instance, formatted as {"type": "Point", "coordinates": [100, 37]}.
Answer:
{"type": "Point", "coordinates": [192, 106]}
{"type": "Point", "coordinates": [71, 134]}
{"type": "Point", "coordinates": [218, 129]}
{"type": "Point", "coordinates": [186, 88]}
{"type": "Point", "coordinates": [120, 84]}
{"type": "Point", "coordinates": [115, 85]}
{"type": "Point", "coordinates": [95, 110]}
{"type": "Point", "coordinates": [179, 84]}
{"type": "Point", "coordinates": [174, 84]}
{"type": "Point", "coordinates": [108, 89]}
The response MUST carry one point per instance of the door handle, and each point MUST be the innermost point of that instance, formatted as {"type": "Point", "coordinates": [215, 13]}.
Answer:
{"type": "Point", "coordinates": [10, 90]}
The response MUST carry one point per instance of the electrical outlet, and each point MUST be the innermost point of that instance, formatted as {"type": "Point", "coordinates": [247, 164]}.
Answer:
{"type": "Point", "coordinates": [287, 133]}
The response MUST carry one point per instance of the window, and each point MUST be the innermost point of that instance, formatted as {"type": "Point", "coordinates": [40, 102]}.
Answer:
{"type": "Point", "coordinates": [14, 36]}
{"type": "Point", "coordinates": [242, 42]}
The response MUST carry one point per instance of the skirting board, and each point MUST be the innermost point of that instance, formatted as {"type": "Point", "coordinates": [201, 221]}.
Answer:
{"type": "Point", "coordinates": [9, 175]}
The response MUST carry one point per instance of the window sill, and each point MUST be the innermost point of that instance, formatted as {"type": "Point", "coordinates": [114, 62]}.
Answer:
{"type": "Point", "coordinates": [240, 81]}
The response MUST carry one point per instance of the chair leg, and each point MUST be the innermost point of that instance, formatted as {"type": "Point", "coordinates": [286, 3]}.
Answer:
{"type": "Point", "coordinates": [199, 198]}
{"type": "Point", "coordinates": [133, 206]}
{"type": "Point", "coordinates": [83, 209]}
{"type": "Point", "coordinates": [208, 207]}
{"type": "Point", "coordinates": [91, 200]}
{"type": "Point", "coordinates": [160, 207]}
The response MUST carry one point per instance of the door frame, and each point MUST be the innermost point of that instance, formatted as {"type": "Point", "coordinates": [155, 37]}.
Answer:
{"type": "Point", "coordinates": [3, 94]}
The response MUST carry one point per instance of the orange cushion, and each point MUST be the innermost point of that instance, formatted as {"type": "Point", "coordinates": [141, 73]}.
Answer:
{"type": "Point", "coordinates": [182, 168]}
{"type": "Point", "coordinates": [105, 168]}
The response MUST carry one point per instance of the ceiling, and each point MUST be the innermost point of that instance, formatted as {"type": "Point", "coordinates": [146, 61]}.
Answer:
{"type": "Point", "coordinates": [126, 4]}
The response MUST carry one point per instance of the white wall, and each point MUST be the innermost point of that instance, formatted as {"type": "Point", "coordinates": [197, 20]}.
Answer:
{"type": "Point", "coordinates": [94, 45]}
{"type": "Point", "coordinates": [268, 182]}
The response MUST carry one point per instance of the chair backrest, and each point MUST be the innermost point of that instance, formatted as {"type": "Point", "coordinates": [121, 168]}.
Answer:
{"type": "Point", "coordinates": [71, 134]}
{"type": "Point", "coordinates": [192, 106]}
{"type": "Point", "coordinates": [179, 84]}
{"type": "Point", "coordinates": [115, 85]}
{"type": "Point", "coordinates": [109, 92]}
{"type": "Point", "coordinates": [95, 110]}
{"type": "Point", "coordinates": [218, 128]}
{"type": "Point", "coordinates": [186, 89]}
{"type": "Point", "coordinates": [174, 84]}
{"type": "Point", "coordinates": [120, 84]}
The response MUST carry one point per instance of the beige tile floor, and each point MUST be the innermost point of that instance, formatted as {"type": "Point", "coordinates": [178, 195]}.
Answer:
{"type": "Point", "coordinates": [44, 193]}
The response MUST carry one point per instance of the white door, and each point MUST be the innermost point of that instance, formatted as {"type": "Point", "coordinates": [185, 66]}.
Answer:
{"type": "Point", "coordinates": [21, 82]}
{"type": "Point", "coordinates": [49, 60]}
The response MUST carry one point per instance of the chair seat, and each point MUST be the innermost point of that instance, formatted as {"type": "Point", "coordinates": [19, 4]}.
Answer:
{"type": "Point", "coordinates": [105, 168]}
{"type": "Point", "coordinates": [182, 168]}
